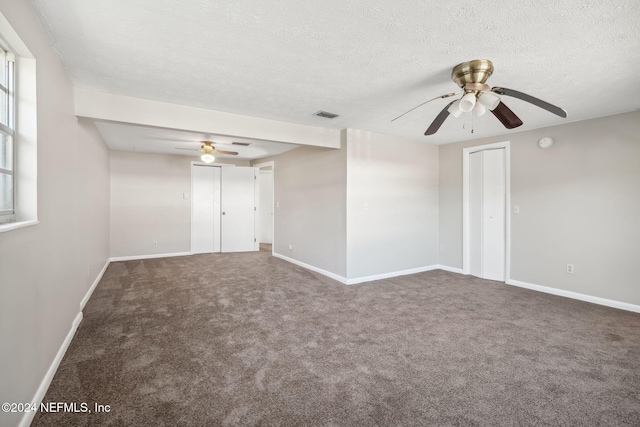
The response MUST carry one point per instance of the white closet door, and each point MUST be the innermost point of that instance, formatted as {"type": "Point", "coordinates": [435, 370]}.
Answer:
{"type": "Point", "coordinates": [487, 199]}
{"type": "Point", "coordinates": [493, 215]}
{"type": "Point", "coordinates": [475, 214]}
{"type": "Point", "coordinates": [205, 209]}
{"type": "Point", "coordinates": [238, 209]}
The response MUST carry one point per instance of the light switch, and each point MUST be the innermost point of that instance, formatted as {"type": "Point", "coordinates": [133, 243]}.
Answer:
{"type": "Point", "coordinates": [516, 209]}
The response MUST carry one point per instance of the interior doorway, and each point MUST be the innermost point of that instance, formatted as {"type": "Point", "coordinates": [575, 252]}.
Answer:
{"type": "Point", "coordinates": [265, 217]}
{"type": "Point", "coordinates": [265, 211]}
{"type": "Point", "coordinates": [486, 219]}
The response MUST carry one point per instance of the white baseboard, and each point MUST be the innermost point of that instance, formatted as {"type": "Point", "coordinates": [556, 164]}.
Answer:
{"type": "Point", "coordinates": [46, 381]}
{"type": "Point", "coordinates": [138, 257]}
{"type": "Point", "coordinates": [575, 295]}
{"type": "Point", "coordinates": [391, 274]}
{"type": "Point", "coordinates": [451, 269]}
{"type": "Point", "coordinates": [334, 276]}
{"type": "Point", "coordinates": [85, 300]}
{"type": "Point", "coordinates": [356, 280]}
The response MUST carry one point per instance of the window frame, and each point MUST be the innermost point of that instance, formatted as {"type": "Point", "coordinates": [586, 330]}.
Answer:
{"type": "Point", "coordinates": [25, 141]}
{"type": "Point", "coordinates": [8, 86]}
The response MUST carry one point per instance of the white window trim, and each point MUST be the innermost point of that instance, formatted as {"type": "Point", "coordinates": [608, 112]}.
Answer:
{"type": "Point", "coordinates": [16, 225]}
{"type": "Point", "coordinates": [26, 131]}
{"type": "Point", "coordinates": [9, 215]}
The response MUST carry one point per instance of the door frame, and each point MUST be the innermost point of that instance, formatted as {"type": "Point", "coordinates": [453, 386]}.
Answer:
{"type": "Point", "coordinates": [273, 203]}
{"type": "Point", "coordinates": [466, 254]}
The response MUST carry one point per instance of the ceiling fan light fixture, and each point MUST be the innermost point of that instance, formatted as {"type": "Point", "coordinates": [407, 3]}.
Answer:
{"type": "Point", "coordinates": [489, 100]}
{"type": "Point", "coordinates": [454, 109]}
{"type": "Point", "coordinates": [479, 110]}
{"type": "Point", "coordinates": [468, 102]}
{"type": "Point", "coordinates": [207, 158]}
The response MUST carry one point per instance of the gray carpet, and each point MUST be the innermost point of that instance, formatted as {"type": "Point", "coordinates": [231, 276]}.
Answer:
{"type": "Point", "coordinates": [248, 339]}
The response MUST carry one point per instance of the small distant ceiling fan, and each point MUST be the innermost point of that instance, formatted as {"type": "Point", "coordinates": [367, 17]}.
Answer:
{"type": "Point", "coordinates": [208, 149]}
{"type": "Point", "coordinates": [478, 97]}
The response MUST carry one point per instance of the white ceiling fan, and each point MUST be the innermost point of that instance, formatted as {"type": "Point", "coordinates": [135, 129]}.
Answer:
{"type": "Point", "coordinates": [208, 150]}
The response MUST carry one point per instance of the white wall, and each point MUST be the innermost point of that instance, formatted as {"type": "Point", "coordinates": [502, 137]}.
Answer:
{"type": "Point", "coordinates": [392, 204]}
{"type": "Point", "coordinates": [148, 203]}
{"type": "Point", "coordinates": [322, 196]}
{"type": "Point", "coordinates": [47, 269]}
{"type": "Point", "coordinates": [310, 214]}
{"type": "Point", "coordinates": [579, 203]}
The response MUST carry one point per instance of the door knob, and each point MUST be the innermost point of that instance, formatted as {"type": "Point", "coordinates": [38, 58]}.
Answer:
{"type": "Point", "coordinates": [223, 213]}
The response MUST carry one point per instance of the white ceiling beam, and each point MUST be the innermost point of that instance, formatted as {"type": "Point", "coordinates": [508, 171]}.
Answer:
{"type": "Point", "coordinates": [125, 109]}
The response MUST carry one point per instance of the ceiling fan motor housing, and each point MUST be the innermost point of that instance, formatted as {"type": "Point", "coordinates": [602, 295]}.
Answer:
{"type": "Point", "coordinates": [476, 71]}
{"type": "Point", "coordinates": [206, 147]}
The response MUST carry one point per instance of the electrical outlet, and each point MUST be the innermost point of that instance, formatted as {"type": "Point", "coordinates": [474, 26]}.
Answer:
{"type": "Point", "coordinates": [516, 209]}
{"type": "Point", "coordinates": [570, 268]}
{"type": "Point", "coordinates": [155, 243]}
{"type": "Point", "coordinates": [441, 248]}
{"type": "Point", "coordinates": [290, 246]}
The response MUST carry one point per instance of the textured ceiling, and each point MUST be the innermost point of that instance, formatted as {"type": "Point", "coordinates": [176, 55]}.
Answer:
{"type": "Point", "coordinates": [366, 60]}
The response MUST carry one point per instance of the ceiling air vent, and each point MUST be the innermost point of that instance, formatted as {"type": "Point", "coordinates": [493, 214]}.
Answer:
{"type": "Point", "coordinates": [325, 115]}
{"type": "Point", "coordinates": [244, 144]}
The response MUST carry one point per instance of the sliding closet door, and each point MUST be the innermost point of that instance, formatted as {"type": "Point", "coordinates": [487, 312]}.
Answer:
{"type": "Point", "coordinates": [493, 215]}
{"type": "Point", "coordinates": [238, 209]}
{"type": "Point", "coordinates": [487, 199]}
{"type": "Point", "coordinates": [475, 214]}
{"type": "Point", "coordinates": [205, 209]}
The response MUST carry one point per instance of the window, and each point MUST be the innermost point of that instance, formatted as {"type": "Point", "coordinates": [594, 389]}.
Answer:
{"type": "Point", "coordinates": [7, 135]}
{"type": "Point", "coordinates": [18, 132]}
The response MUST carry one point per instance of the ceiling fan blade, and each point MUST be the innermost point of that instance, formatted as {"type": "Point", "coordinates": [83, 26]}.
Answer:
{"type": "Point", "coordinates": [233, 153]}
{"type": "Point", "coordinates": [189, 149]}
{"type": "Point", "coordinates": [432, 99]}
{"type": "Point", "coordinates": [439, 120]}
{"type": "Point", "coordinates": [507, 117]}
{"type": "Point", "coordinates": [531, 99]}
